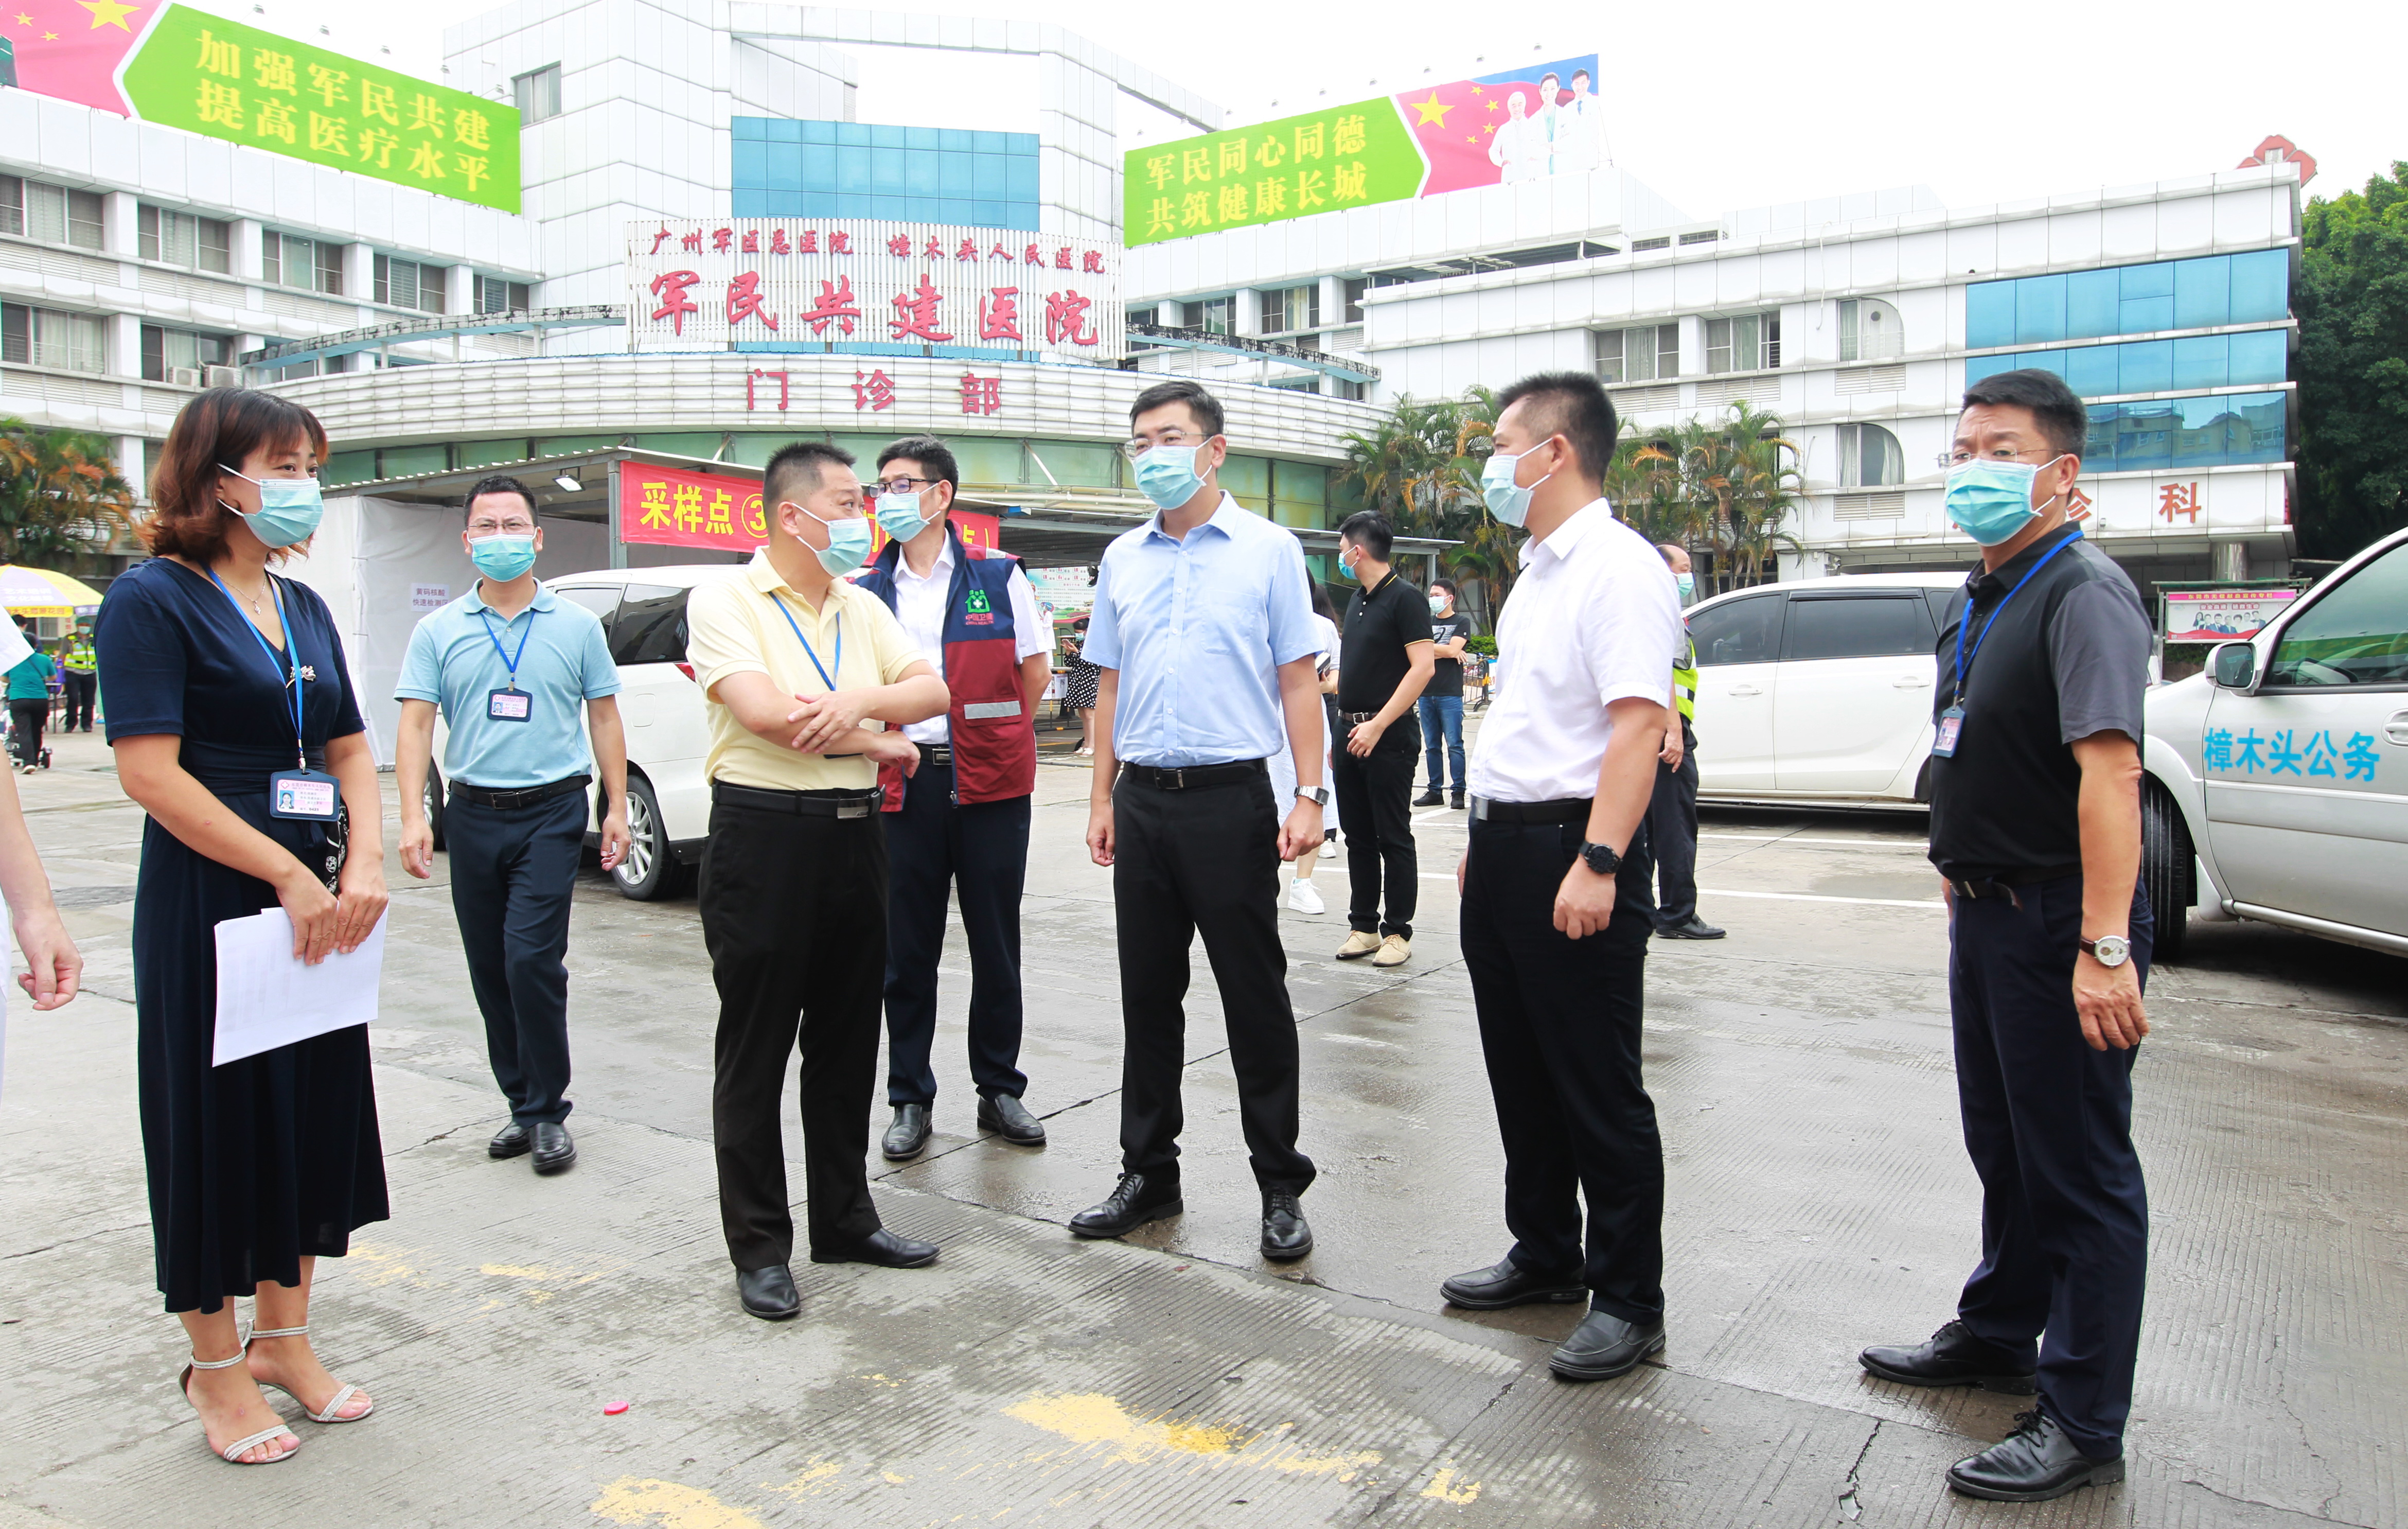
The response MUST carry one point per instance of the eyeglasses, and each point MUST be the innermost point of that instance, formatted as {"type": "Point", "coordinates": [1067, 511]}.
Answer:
{"type": "Point", "coordinates": [1138, 447]}
{"type": "Point", "coordinates": [507, 527]}
{"type": "Point", "coordinates": [905, 486]}
{"type": "Point", "coordinates": [1957, 457]}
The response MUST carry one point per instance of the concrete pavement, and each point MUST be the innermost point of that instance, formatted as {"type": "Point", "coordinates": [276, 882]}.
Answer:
{"type": "Point", "coordinates": [1819, 1200]}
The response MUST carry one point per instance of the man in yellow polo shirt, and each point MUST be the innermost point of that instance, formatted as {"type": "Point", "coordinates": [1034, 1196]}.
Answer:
{"type": "Point", "coordinates": [800, 668]}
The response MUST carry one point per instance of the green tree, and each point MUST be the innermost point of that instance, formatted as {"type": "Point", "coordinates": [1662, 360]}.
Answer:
{"type": "Point", "coordinates": [2352, 367]}
{"type": "Point", "coordinates": [60, 498]}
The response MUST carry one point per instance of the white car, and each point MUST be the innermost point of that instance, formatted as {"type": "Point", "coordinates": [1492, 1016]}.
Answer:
{"type": "Point", "coordinates": [2277, 782]}
{"type": "Point", "coordinates": [1820, 690]}
{"type": "Point", "coordinates": [668, 800]}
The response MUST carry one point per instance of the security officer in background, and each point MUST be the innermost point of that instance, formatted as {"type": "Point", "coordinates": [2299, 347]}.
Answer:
{"type": "Point", "coordinates": [511, 665]}
{"type": "Point", "coordinates": [82, 670]}
{"type": "Point", "coordinates": [964, 816]}
{"type": "Point", "coordinates": [1673, 813]}
{"type": "Point", "coordinates": [2036, 828]}
{"type": "Point", "coordinates": [1556, 886]}
{"type": "Point", "coordinates": [794, 660]}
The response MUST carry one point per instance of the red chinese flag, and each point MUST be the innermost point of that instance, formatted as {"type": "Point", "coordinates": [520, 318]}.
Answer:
{"type": "Point", "coordinates": [72, 49]}
{"type": "Point", "coordinates": [1457, 123]}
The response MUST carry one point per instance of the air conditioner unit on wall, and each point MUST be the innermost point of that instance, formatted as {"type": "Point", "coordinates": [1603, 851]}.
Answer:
{"type": "Point", "coordinates": [184, 376]}
{"type": "Point", "coordinates": [221, 376]}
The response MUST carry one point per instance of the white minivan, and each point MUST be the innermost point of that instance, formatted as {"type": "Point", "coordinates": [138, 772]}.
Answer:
{"type": "Point", "coordinates": [1820, 690]}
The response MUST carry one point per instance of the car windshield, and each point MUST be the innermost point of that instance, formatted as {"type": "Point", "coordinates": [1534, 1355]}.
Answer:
{"type": "Point", "coordinates": [2357, 634]}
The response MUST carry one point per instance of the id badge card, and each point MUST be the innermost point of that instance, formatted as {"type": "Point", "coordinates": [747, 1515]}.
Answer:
{"type": "Point", "coordinates": [308, 794]}
{"type": "Point", "coordinates": [510, 705]}
{"type": "Point", "coordinates": [1943, 740]}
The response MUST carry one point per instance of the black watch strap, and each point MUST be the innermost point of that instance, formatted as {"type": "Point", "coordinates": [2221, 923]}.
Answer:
{"type": "Point", "coordinates": [1601, 859]}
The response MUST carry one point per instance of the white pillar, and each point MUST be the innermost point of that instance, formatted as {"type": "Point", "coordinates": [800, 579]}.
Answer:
{"type": "Point", "coordinates": [1692, 346]}
{"type": "Point", "coordinates": [124, 345]}
{"type": "Point", "coordinates": [2231, 560]}
{"type": "Point", "coordinates": [1333, 301]}
{"type": "Point", "coordinates": [359, 273]}
{"type": "Point", "coordinates": [460, 290]}
{"type": "Point", "coordinates": [1248, 319]}
{"type": "Point", "coordinates": [131, 465]}
{"type": "Point", "coordinates": [246, 254]}
{"type": "Point", "coordinates": [118, 233]}
{"type": "Point", "coordinates": [1167, 313]}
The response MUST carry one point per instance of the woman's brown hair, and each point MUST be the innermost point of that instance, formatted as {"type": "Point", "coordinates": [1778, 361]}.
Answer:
{"type": "Point", "coordinates": [220, 428]}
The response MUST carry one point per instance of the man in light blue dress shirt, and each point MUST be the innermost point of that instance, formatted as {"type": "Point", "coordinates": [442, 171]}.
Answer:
{"type": "Point", "coordinates": [522, 677]}
{"type": "Point", "coordinates": [1203, 629]}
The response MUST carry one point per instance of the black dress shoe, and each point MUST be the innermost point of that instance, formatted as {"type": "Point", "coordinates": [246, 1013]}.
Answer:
{"type": "Point", "coordinates": [883, 1248]}
{"type": "Point", "coordinates": [553, 1150]}
{"type": "Point", "coordinates": [1133, 1201]}
{"type": "Point", "coordinates": [1952, 1357]}
{"type": "Point", "coordinates": [1505, 1283]}
{"type": "Point", "coordinates": [769, 1293]}
{"type": "Point", "coordinates": [1427, 799]}
{"type": "Point", "coordinates": [1694, 929]}
{"type": "Point", "coordinates": [908, 1134]}
{"type": "Point", "coordinates": [511, 1141]}
{"type": "Point", "coordinates": [1285, 1234]}
{"type": "Point", "coordinates": [1455, 802]}
{"type": "Point", "coordinates": [1604, 1346]}
{"type": "Point", "coordinates": [1009, 1118]}
{"type": "Point", "coordinates": [2033, 1464]}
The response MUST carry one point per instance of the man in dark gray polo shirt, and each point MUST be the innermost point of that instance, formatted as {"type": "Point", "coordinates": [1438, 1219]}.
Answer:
{"type": "Point", "coordinates": [2036, 828]}
{"type": "Point", "coordinates": [1386, 660]}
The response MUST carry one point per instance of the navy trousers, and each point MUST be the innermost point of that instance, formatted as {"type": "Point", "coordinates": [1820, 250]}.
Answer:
{"type": "Point", "coordinates": [511, 876]}
{"type": "Point", "coordinates": [1560, 1024]}
{"type": "Point", "coordinates": [2048, 1122]}
{"type": "Point", "coordinates": [1673, 829]}
{"type": "Point", "coordinates": [934, 846]}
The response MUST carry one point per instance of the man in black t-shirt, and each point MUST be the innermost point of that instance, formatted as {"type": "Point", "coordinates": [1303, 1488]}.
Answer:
{"type": "Point", "coordinates": [1382, 667]}
{"type": "Point", "coordinates": [1442, 702]}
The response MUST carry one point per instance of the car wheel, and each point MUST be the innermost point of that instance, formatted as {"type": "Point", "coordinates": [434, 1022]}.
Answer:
{"type": "Point", "coordinates": [2169, 870]}
{"type": "Point", "coordinates": [431, 801]}
{"type": "Point", "coordinates": [650, 872]}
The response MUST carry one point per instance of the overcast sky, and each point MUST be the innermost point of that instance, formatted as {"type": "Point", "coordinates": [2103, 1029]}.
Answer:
{"type": "Point", "coordinates": [1718, 106]}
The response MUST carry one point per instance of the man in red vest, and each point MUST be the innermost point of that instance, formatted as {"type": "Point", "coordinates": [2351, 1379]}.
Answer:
{"type": "Point", "coordinates": [963, 818]}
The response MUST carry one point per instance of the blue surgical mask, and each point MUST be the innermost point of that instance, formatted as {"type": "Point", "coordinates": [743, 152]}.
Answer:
{"type": "Point", "coordinates": [1506, 500]}
{"type": "Point", "coordinates": [289, 510]}
{"type": "Point", "coordinates": [1990, 500]}
{"type": "Point", "coordinates": [1167, 475]}
{"type": "Point", "coordinates": [1686, 584]}
{"type": "Point", "coordinates": [848, 545]}
{"type": "Point", "coordinates": [1438, 605]}
{"type": "Point", "coordinates": [899, 515]}
{"type": "Point", "coordinates": [502, 559]}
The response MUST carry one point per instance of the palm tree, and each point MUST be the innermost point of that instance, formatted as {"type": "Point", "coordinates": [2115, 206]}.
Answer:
{"type": "Point", "coordinates": [61, 499]}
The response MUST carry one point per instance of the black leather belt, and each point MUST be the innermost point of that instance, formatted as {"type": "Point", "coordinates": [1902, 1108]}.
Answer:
{"type": "Point", "coordinates": [525, 795]}
{"type": "Point", "coordinates": [935, 753]}
{"type": "Point", "coordinates": [2002, 887]}
{"type": "Point", "coordinates": [1570, 810]}
{"type": "Point", "coordinates": [1188, 777]}
{"type": "Point", "coordinates": [801, 803]}
{"type": "Point", "coordinates": [1355, 718]}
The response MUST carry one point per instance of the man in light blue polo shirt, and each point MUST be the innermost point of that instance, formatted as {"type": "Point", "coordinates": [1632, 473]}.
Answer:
{"type": "Point", "coordinates": [512, 665]}
{"type": "Point", "coordinates": [1204, 632]}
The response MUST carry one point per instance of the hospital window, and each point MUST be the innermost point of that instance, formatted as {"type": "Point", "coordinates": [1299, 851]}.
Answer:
{"type": "Point", "coordinates": [497, 294]}
{"type": "Point", "coordinates": [1869, 457]}
{"type": "Point", "coordinates": [538, 93]}
{"type": "Point", "coordinates": [1141, 315]}
{"type": "Point", "coordinates": [1744, 342]}
{"type": "Point", "coordinates": [310, 263]}
{"type": "Point", "coordinates": [407, 284]}
{"type": "Point", "coordinates": [182, 238]}
{"type": "Point", "coordinates": [1869, 330]}
{"type": "Point", "coordinates": [1286, 310]}
{"type": "Point", "coordinates": [1216, 315]}
{"type": "Point", "coordinates": [1355, 287]}
{"type": "Point", "coordinates": [2206, 293]}
{"type": "Point", "coordinates": [38, 210]}
{"type": "Point", "coordinates": [167, 352]}
{"type": "Point", "coordinates": [42, 336]}
{"type": "Point", "coordinates": [1642, 354]}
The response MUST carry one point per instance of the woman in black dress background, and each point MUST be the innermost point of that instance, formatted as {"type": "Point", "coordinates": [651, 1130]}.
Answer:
{"type": "Point", "coordinates": [260, 1166]}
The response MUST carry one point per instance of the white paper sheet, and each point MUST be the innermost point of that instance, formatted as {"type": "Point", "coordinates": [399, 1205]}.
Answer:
{"type": "Point", "coordinates": [268, 999]}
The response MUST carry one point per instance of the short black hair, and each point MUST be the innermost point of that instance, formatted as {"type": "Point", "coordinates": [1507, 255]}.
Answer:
{"type": "Point", "coordinates": [2055, 408]}
{"type": "Point", "coordinates": [1206, 407]}
{"type": "Point", "coordinates": [1573, 405]}
{"type": "Point", "coordinates": [497, 483]}
{"type": "Point", "coordinates": [1584, 74]}
{"type": "Point", "coordinates": [1453, 589]}
{"type": "Point", "coordinates": [934, 456]}
{"type": "Point", "coordinates": [1370, 530]}
{"type": "Point", "coordinates": [805, 460]}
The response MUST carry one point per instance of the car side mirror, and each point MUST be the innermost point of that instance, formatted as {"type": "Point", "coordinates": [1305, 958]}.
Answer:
{"type": "Point", "coordinates": [2234, 665]}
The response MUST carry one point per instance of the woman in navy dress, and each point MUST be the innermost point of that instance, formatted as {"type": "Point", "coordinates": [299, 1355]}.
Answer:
{"type": "Point", "coordinates": [262, 1166]}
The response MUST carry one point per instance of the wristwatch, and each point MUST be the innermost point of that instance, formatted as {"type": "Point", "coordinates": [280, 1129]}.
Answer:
{"type": "Point", "coordinates": [1317, 795]}
{"type": "Point", "coordinates": [1602, 859]}
{"type": "Point", "coordinates": [2109, 949]}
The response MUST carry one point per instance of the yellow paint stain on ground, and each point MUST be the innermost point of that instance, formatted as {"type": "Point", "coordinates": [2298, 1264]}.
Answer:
{"type": "Point", "coordinates": [636, 1500]}
{"type": "Point", "coordinates": [1442, 1488]}
{"type": "Point", "coordinates": [1095, 1420]}
{"type": "Point", "coordinates": [821, 1476]}
{"type": "Point", "coordinates": [550, 1276]}
{"type": "Point", "coordinates": [374, 1265]}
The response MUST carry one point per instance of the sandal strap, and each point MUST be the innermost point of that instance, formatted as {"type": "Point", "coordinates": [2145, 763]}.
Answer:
{"type": "Point", "coordinates": [200, 1363]}
{"type": "Point", "coordinates": [232, 1452]}
{"type": "Point", "coordinates": [279, 1331]}
{"type": "Point", "coordinates": [331, 1411]}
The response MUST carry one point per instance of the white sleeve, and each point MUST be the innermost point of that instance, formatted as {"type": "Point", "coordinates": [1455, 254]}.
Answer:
{"type": "Point", "coordinates": [1633, 629]}
{"type": "Point", "coordinates": [1032, 629]}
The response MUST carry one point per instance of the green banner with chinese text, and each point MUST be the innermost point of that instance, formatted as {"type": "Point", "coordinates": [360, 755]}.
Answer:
{"type": "Point", "coordinates": [1343, 156]}
{"type": "Point", "coordinates": [210, 75]}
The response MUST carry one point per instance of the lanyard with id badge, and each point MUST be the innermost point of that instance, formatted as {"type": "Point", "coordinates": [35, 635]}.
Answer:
{"type": "Point", "coordinates": [1952, 721]}
{"type": "Point", "coordinates": [825, 678]}
{"type": "Point", "coordinates": [310, 795]}
{"type": "Point", "coordinates": [510, 704]}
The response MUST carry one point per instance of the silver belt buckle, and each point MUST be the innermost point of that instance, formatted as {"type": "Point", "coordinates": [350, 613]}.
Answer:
{"type": "Point", "coordinates": [1480, 809]}
{"type": "Point", "coordinates": [1178, 780]}
{"type": "Point", "coordinates": [853, 809]}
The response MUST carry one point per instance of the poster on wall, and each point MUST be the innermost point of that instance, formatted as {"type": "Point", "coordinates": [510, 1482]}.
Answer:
{"type": "Point", "coordinates": [1526, 123]}
{"type": "Point", "coordinates": [182, 67]}
{"type": "Point", "coordinates": [664, 507]}
{"type": "Point", "coordinates": [2222, 616]}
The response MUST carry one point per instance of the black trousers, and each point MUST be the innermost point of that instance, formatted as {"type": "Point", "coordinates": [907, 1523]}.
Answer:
{"type": "Point", "coordinates": [1203, 860]}
{"type": "Point", "coordinates": [793, 914]}
{"type": "Point", "coordinates": [1559, 1024]}
{"type": "Point", "coordinates": [1672, 832]}
{"type": "Point", "coordinates": [513, 874]}
{"type": "Point", "coordinates": [2048, 1122]}
{"type": "Point", "coordinates": [934, 846]}
{"type": "Point", "coordinates": [27, 719]}
{"type": "Point", "coordinates": [1375, 802]}
{"type": "Point", "coordinates": [81, 689]}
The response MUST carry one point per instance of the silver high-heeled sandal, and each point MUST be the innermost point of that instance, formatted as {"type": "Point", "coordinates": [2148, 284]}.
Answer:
{"type": "Point", "coordinates": [234, 1452]}
{"type": "Point", "coordinates": [333, 1411]}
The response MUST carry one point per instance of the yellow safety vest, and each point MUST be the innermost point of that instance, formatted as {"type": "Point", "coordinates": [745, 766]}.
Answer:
{"type": "Point", "coordinates": [1684, 678]}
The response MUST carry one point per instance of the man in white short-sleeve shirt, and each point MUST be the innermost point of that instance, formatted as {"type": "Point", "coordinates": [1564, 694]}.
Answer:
{"type": "Point", "coordinates": [1557, 882]}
